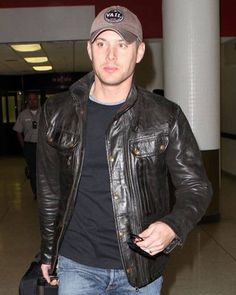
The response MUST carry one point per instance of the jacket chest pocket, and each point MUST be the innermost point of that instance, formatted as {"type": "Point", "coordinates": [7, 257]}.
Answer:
{"type": "Point", "coordinates": [61, 139]}
{"type": "Point", "coordinates": [147, 160]}
{"type": "Point", "coordinates": [148, 146]}
{"type": "Point", "coordinates": [65, 143]}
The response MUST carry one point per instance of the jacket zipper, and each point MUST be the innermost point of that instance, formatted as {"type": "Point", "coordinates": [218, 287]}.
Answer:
{"type": "Point", "coordinates": [75, 185]}
{"type": "Point", "coordinates": [108, 152]}
{"type": "Point", "coordinates": [108, 149]}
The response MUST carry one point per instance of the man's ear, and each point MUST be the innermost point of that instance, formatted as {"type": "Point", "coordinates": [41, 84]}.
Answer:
{"type": "Point", "coordinates": [89, 49]}
{"type": "Point", "coordinates": [141, 51]}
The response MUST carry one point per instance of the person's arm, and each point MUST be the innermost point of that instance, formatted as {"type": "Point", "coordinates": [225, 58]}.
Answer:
{"type": "Point", "coordinates": [193, 190]}
{"type": "Point", "coordinates": [20, 139]}
{"type": "Point", "coordinates": [48, 192]}
{"type": "Point", "coordinates": [19, 129]}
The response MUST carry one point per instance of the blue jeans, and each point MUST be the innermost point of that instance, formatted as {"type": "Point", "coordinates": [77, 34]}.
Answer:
{"type": "Point", "coordinates": [78, 279]}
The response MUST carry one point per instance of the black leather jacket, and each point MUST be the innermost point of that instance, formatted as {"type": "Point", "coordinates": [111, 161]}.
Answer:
{"type": "Point", "coordinates": [149, 138]}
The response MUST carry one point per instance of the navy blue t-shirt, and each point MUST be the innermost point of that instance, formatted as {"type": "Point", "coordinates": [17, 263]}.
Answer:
{"type": "Point", "coordinates": [91, 235]}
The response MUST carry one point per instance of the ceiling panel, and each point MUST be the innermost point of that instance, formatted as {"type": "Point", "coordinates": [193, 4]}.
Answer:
{"type": "Point", "coordinates": [11, 63]}
{"type": "Point", "coordinates": [60, 55]}
{"type": "Point", "coordinates": [82, 61]}
{"type": "Point", "coordinates": [64, 56]}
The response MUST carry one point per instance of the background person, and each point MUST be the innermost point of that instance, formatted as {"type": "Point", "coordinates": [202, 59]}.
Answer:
{"type": "Point", "coordinates": [26, 127]}
{"type": "Point", "coordinates": [105, 149]}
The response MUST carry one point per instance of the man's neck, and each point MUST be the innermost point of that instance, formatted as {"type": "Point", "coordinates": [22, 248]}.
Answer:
{"type": "Point", "coordinates": [110, 93]}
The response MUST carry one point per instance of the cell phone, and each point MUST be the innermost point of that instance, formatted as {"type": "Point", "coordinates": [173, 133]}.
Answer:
{"type": "Point", "coordinates": [132, 244]}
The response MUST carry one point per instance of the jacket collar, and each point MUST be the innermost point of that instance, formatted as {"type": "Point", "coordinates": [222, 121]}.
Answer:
{"type": "Point", "coordinates": [81, 88]}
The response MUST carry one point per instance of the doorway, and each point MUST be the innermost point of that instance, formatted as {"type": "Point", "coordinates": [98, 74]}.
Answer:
{"type": "Point", "coordinates": [11, 105]}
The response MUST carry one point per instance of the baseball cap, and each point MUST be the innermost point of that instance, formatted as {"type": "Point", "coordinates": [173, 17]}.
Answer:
{"type": "Point", "coordinates": [119, 19]}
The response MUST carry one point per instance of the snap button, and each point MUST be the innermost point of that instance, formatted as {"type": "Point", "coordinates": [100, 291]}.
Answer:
{"type": "Point", "coordinates": [116, 196]}
{"type": "Point", "coordinates": [121, 234]}
{"type": "Point", "coordinates": [136, 152]}
{"type": "Point", "coordinates": [111, 159]}
{"type": "Point", "coordinates": [162, 147]}
{"type": "Point", "coordinates": [128, 270]}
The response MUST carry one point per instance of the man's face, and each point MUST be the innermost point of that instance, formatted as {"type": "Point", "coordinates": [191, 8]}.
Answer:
{"type": "Point", "coordinates": [113, 58]}
{"type": "Point", "coordinates": [33, 101]}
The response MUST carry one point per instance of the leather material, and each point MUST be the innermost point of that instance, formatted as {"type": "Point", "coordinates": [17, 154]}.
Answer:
{"type": "Point", "coordinates": [149, 138]}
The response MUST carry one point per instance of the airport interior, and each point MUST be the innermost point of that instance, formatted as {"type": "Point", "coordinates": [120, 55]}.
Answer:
{"type": "Point", "coordinates": [190, 58]}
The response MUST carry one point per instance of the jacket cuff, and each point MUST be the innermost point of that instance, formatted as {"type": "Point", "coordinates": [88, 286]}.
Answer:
{"type": "Point", "coordinates": [175, 242]}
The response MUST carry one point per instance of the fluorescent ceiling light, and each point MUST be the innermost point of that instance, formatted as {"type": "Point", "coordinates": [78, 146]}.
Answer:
{"type": "Point", "coordinates": [36, 59]}
{"type": "Point", "coordinates": [26, 47]}
{"type": "Point", "coordinates": [42, 68]}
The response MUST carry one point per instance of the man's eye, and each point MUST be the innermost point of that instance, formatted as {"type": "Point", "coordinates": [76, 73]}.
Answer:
{"type": "Point", "coordinates": [123, 45]}
{"type": "Point", "coordinates": [100, 44]}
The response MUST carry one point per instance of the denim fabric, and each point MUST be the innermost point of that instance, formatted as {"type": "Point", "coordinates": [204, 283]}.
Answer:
{"type": "Point", "coordinates": [78, 279]}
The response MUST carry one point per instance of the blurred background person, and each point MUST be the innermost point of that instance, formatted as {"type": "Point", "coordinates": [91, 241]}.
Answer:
{"type": "Point", "coordinates": [26, 127]}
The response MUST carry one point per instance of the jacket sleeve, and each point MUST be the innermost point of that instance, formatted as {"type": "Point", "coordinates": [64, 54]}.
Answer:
{"type": "Point", "coordinates": [48, 188]}
{"type": "Point", "coordinates": [192, 188]}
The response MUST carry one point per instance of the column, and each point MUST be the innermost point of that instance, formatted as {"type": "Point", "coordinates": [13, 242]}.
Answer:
{"type": "Point", "coordinates": [191, 47]}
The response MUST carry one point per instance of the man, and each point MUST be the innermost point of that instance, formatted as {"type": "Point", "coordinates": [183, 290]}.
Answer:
{"type": "Point", "coordinates": [26, 127]}
{"type": "Point", "coordinates": [105, 150]}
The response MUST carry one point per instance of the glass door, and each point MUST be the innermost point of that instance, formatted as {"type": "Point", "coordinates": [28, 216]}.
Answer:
{"type": "Point", "coordinates": [11, 105]}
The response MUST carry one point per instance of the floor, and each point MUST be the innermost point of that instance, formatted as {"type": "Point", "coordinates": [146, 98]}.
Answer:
{"type": "Point", "coordinates": [206, 265]}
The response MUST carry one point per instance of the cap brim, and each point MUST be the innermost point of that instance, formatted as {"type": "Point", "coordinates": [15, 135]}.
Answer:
{"type": "Point", "coordinates": [127, 36]}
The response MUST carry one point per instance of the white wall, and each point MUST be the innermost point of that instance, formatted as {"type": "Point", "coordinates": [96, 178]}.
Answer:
{"type": "Point", "coordinates": [228, 105]}
{"type": "Point", "coordinates": [45, 23]}
{"type": "Point", "coordinates": [149, 72]}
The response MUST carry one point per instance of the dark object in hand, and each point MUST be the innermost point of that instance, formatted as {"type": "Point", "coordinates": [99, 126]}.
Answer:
{"type": "Point", "coordinates": [34, 124]}
{"type": "Point", "coordinates": [132, 244]}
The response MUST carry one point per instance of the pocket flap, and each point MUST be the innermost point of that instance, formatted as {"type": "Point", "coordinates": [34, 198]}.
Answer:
{"type": "Point", "coordinates": [148, 146]}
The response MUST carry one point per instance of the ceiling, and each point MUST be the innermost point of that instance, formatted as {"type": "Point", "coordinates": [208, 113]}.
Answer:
{"type": "Point", "coordinates": [63, 56]}
{"type": "Point", "coordinates": [69, 56]}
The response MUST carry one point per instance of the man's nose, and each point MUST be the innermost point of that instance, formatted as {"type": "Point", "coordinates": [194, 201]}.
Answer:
{"type": "Point", "coordinates": [111, 53]}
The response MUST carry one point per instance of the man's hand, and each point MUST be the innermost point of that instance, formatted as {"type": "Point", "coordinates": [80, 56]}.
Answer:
{"type": "Point", "coordinates": [20, 139]}
{"type": "Point", "coordinates": [156, 237]}
{"type": "Point", "coordinates": [45, 271]}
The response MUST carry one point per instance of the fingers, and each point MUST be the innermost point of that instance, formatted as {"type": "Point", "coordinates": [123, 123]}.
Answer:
{"type": "Point", "coordinates": [151, 247]}
{"type": "Point", "coordinates": [152, 252]}
{"type": "Point", "coordinates": [151, 243]}
{"type": "Point", "coordinates": [155, 238]}
{"type": "Point", "coordinates": [45, 271]}
{"type": "Point", "coordinates": [146, 233]}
